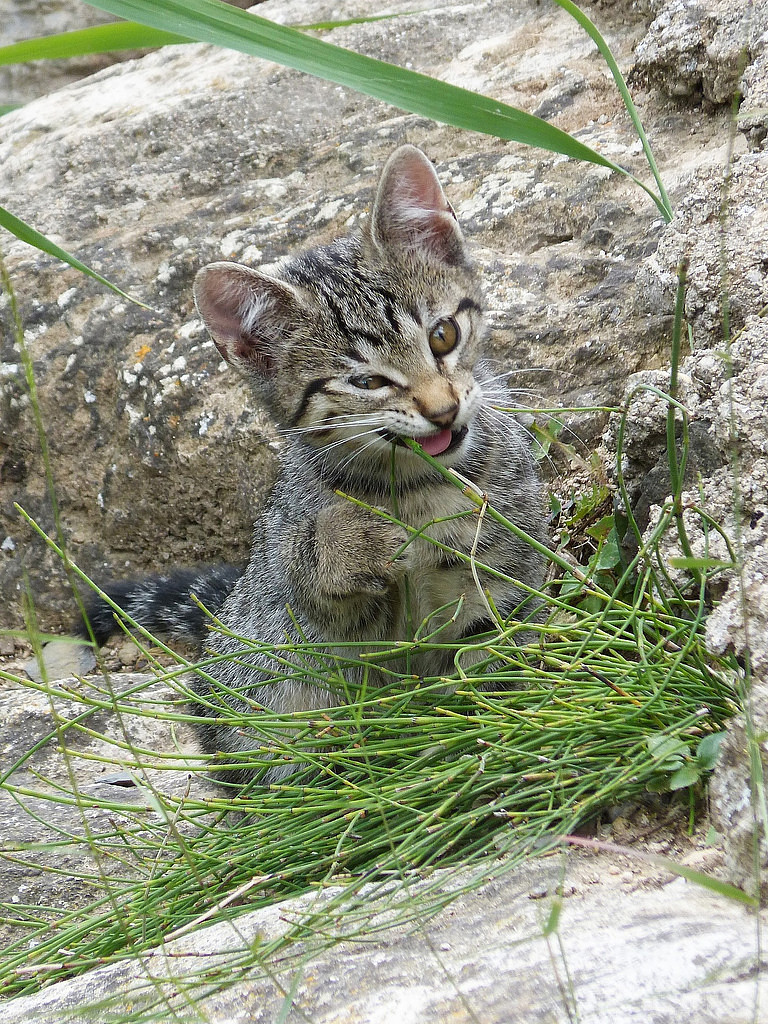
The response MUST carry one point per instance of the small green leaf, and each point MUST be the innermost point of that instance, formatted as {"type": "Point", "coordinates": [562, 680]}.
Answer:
{"type": "Point", "coordinates": [569, 586]}
{"type": "Point", "coordinates": [601, 529]}
{"type": "Point", "coordinates": [699, 563]}
{"type": "Point", "coordinates": [588, 503]}
{"type": "Point", "coordinates": [684, 777]}
{"type": "Point", "coordinates": [713, 837]}
{"type": "Point", "coordinates": [546, 434]}
{"type": "Point", "coordinates": [621, 522]}
{"type": "Point", "coordinates": [591, 604]}
{"type": "Point", "coordinates": [666, 749]}
{"type": "Point", "coordinates": [553, 918]}
{"type": "Point", "coordinates": [708, 750]}
{"type": "Point", "coordinates": [610, 555]}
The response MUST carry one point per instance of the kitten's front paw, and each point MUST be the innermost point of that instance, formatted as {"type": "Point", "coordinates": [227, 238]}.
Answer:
{"type": "Point", "coordinates": [358, 551]}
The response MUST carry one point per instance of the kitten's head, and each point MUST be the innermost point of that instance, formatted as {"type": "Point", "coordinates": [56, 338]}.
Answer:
{"type": "Point", "coordinates": [356, 344]}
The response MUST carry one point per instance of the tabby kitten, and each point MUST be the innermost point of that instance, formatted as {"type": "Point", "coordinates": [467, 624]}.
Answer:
{"type": "Point", "coordinates": [353, 346]}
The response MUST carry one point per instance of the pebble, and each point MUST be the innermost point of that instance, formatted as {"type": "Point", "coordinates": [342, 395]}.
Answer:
{"type": "Point", "coordinates": [61, 658]}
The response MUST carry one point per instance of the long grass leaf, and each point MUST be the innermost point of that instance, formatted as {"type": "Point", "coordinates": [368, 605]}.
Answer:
{"type": "Point", "coordinates": [592, 31]}
{"type": "Point", "coordinates": [124, 35]}
{"type": "Point", "coordinates": [215, 22]}
{"type": "Point", "coordinates": [28, 234]}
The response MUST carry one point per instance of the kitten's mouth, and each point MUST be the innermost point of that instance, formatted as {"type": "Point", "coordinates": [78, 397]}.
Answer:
{"type": "Point", "coordinates": [441, 443]}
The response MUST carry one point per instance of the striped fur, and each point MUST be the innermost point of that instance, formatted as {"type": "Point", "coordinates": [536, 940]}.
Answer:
{"type": "Point", "coordinates": [352, 346]}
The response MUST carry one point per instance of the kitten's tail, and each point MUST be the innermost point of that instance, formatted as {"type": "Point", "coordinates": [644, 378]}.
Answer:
{"type": "Point", "coordinates": [162, 604]}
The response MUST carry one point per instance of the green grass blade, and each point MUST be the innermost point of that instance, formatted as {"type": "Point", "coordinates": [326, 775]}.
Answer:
{"type": "Point", "coordinates": [214, 22]}
{"type": "Point", "coordinates": [591, 29]}
{"type": "Point", "coordinates": [32, 237]}
{"type": "Point", "coordinates": [327, 26]}
{"type": "Point", "coordinates": [124, 35]}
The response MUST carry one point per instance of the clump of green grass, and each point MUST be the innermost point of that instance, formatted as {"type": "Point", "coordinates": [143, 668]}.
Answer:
{"type": "Point", "coordinates": [613, 692]}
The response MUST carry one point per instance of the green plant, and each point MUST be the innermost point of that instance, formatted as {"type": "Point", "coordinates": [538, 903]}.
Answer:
{"type": "Point", "coordinates": [615, 686]}
{"type": "Point", "coordinates": [678, 766]}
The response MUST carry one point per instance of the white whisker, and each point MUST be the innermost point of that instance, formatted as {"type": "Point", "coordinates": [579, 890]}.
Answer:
{"type": "Point", "coordinates": [350, 441]}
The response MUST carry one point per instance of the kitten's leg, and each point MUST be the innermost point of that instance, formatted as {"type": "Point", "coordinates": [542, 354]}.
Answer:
{"type": "Point", "coordinates": [345, 565]}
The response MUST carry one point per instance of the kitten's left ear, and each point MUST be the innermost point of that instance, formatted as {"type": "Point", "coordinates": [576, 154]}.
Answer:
{"type": "Point", "coordinates": [412, 212]}
{"type": "Point", "coordinates": [248, 314]}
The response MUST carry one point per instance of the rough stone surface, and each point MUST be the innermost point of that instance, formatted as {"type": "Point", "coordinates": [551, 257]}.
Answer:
{"type": "Point", "coordinates": [722, 229]}
{"type": "Point", "coordinates": [753, 112]}
{"type": "Point", "coordinates": [29, 811]}
{"type": "Point", "coordinates": [625, 952]}
{"type": "Point", "coordinates": [210, 159]}
{"type": "Point", "coordinates": [701, 47]}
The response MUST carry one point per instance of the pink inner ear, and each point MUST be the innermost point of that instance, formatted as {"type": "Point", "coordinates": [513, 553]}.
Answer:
{"type": "Point", "coordinates": [246, 313]}
{"type": "Point", "coordinates": [221, 318]}
{"type": "Point", "coordinates": [418, 188]}
{"type": "Point", "coordinates": [411, 210]}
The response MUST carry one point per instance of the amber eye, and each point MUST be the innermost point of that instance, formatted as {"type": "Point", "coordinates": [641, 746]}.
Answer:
{"type": "Point", "coordinates": [444, 337]}
{"type": "Point", "coordinates": [371, 383]}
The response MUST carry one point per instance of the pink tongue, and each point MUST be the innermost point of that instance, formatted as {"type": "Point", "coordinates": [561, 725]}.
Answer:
{"type": "Point", "coordinates": [436, 443]}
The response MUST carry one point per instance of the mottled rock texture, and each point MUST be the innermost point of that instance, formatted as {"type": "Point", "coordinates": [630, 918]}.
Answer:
{"type": "Point", "coordinates": [627, 951]}
{"type": "Point", "coordinates": [721, 228]}
{"type": "Point", "coordinates": [701, 47]}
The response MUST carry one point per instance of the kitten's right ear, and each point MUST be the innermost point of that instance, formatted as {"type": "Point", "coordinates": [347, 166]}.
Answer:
{"type": "Point", "coordinates": [411, 212]}
{"type": "Point", "coordinates": [247, 313]}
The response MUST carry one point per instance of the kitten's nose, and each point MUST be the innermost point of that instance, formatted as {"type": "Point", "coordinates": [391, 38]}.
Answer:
{"type": "Point", "coordinates": [443, 417]}
{"type": "Point", "coordinates": [438, 402]}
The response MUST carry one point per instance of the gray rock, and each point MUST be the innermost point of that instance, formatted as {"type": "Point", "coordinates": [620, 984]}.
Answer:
{"type": "Point", "coordinates": [722, 229]}
{"type": "Point", "coordinates": [59, 659]}
{"type": "Point", "coordinates": [753, 112]}
{"type": "Point", "coordinates": [651, 950]}
{"type": "Point", "coordinates": [724, 387]}
{"type": "Point", "coordinates": [700, 48]}
{"type": "Point", "coordinates": [36, 774]}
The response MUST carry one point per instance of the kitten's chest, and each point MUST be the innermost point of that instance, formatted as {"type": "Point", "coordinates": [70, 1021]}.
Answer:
{"type": "Point", "coordinates": [439, 584]}
{"type": "Point", "coordinates": [445, 518]}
